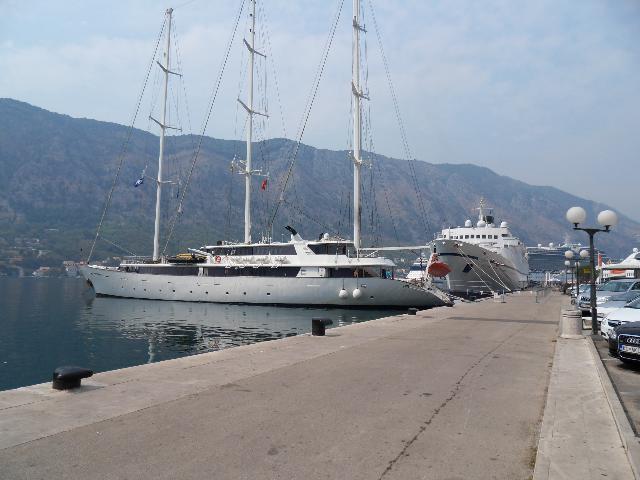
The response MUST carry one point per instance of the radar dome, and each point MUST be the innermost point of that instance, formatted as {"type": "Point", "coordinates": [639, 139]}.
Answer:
{"type": "Point", "coordinates": [551, 245]}
{"type": "Point", "coordinates": [481, 223]}
{"type": "Point", "coordinates": [635, 250]}
{"type": "Point", "coordinates": [504, 225]}
{"type": "Point", "coordinates": [467, 223]}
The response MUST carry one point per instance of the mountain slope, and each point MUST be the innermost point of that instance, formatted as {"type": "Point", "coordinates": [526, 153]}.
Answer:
{"type": "Point", "coordinates": [57, 171]}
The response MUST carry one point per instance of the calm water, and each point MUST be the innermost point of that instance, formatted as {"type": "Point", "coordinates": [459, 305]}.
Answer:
{"type": "Point", "coordinates": [49, 322]}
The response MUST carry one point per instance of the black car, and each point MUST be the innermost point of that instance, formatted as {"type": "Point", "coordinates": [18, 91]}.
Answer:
{"type": "Point", "coordinates": [624, 342]}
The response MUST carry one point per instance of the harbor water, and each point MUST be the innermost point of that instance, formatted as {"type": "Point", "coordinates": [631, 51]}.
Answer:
{"type": "Point", "coordinates": [50, 322]}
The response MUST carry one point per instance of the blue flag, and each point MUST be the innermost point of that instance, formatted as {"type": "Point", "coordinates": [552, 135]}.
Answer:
{"type": "Point", "coordinates": [139, 182]}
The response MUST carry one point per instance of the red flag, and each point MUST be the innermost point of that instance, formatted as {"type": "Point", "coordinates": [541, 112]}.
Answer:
{"type": "Point", "coordinates": [264, 184]}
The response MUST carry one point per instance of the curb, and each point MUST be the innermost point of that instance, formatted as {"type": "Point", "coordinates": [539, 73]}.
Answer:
{"type": "Point", "coordinates": [542, 464]}
{"type": "Point", "coordinates": [629, 440]}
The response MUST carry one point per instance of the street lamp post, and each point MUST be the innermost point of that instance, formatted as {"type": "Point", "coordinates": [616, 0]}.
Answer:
{"type": "Point", "coordinates": [568, 270]}
{"type": "Point", "coordinates": [607, 219]}
{"type": "Point", "coordinates": [582, 255]}
{"type": "Point", "coordinates": [569, 254]}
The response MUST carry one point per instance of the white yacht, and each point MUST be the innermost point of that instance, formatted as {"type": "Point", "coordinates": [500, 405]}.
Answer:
{"type": "Point", "coordinates": [484, 258]}
{"type": "Point", "coordinates": [299, 272]}
{"type": "Point", "coordinates": [627, 268]}
{"type": "Point", "coordinates": [330, 271]}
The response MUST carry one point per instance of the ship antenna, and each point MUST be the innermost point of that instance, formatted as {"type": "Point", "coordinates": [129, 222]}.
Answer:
{"type": "Point", "coordinates": [481, 209]}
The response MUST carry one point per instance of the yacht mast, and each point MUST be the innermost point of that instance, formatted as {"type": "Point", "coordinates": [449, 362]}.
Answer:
{"type": "Point", "coordinates": [248, 171]}
{"type": "Point", "coordinates": [163, 127]}
{"type": "Point", "coordinates": [357, 128]}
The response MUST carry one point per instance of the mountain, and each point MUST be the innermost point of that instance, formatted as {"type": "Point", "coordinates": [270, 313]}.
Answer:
{"type": "Point", "coordinates": [58, 170]}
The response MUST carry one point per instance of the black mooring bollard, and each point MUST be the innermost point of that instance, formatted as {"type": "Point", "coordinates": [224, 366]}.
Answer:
{"type": "Point", "coordinates": [65, 378]}
{"type": "Point", "coordinates": [412, 311]}
{"type": "Point", "coordinates": [318, 326]}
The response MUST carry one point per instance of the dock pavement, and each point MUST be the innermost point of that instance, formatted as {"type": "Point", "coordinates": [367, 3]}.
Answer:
{"type": "Point", "coordinates": [450, 393]}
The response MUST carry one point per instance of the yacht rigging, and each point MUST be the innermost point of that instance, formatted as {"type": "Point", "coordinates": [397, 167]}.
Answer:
{"type": "Point", "coordinates": [330, 271]}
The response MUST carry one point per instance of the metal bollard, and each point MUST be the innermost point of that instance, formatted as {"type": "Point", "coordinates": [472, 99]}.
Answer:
{"type": "Point", "coordinates": [319, 325]}
{"type": "Point", "coordinates": [65, 378]}
{"type": "Point", "coordinates": [412, 311]}
{"type": "Point", "coordinates": [571, 324]}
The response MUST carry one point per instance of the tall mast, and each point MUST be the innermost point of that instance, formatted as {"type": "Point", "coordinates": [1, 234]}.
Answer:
{"type": "Point", "coordinates": [248, 171]}
{"type": "Point", "coordinates": [163, 127]}
{"type": "Point", "coordinates": [357, 128]}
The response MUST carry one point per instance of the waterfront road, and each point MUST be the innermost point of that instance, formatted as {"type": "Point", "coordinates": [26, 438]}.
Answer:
{"type": "Point", "coordinates": [451, 393]}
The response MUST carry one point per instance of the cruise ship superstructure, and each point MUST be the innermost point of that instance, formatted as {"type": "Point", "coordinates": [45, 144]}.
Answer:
{"type": "Point", "coordinates": [484, 258]}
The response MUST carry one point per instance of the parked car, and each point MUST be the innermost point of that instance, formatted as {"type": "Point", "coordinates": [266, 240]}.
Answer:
{"type": "Point", "coordinates": [606, 291]}
{"type": "Point", "coordinates": [615, 303]}
{"type": "Point", "coordinates": [624, 342]}
{"type": "Point", "coordinates": [582, 289]}
{"type": "Point", "coordinates": [628, 314]}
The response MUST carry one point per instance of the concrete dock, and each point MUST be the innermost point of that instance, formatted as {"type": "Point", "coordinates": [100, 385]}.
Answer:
{"type": "Point", "coordinates": [450, 393]}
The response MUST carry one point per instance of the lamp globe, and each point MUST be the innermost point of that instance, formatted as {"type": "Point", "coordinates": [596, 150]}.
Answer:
{"type": "Point", "coordinates": [576, 215]}
{"type": "Point", "coordinates": [608, 218]}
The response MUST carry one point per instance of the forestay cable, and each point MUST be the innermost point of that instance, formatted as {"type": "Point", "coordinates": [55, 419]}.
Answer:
{"type": "Point", "coordinates": [307, 112]}
{"type": "Point", "coordinates": [212, 101]}
{"type": "Point", "coordinates": [403, 134]}
{"type": "Point", "coordinates": [125, 144]}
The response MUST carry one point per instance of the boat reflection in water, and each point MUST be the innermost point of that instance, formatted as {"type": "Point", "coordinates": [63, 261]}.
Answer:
{"type": "Point", "coordinates": [176, 329]}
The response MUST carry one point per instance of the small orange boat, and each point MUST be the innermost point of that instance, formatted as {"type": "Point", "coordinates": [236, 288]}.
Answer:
{"type": "Point", "coordinates": [436, 267]}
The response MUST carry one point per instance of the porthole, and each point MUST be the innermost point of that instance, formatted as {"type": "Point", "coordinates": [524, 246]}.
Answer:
{"type": "Point", "coordinates": [268, 293]}
{"type": "Point", "coordinates": [174, 291]}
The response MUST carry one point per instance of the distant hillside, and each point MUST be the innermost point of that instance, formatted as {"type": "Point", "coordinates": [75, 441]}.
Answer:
{"type": "Point", "coordinates": [57, 170]}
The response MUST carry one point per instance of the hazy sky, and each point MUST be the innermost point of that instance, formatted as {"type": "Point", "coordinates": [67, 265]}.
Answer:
{"type": "Point", "coordinates": [547, 92]}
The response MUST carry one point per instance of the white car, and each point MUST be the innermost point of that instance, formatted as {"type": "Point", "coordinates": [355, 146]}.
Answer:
{"type": "Point", "coordinates": [629, 313]}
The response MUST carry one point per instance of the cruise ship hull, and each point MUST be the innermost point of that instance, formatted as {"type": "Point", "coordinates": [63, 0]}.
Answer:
{"type": "Point", "coordinates": [477, 270]}
{"type": "Point", "coordinates": [375, 292]}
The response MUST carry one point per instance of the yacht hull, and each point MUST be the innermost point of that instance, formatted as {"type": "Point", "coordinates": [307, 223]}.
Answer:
{"type": "Point", "coordinates": [477, 270]}
{"type": "Point", "coordinates": [375, 292]}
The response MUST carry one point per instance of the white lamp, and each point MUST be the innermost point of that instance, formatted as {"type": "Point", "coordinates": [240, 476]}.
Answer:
{"type": "Point", "coordinates": [576, 215]}
{"type": "Point", "coordinates": [567, 263]}
{"type": "Point", "coordinates": [568, 255]}
{"type": "Point", "coordinates": [584, 253]}
{"type": "Point", "coordinates": [607, 218]}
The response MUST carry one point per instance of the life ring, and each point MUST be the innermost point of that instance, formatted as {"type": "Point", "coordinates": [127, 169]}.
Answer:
{"type": "Point", "coordinates": [218, 259]}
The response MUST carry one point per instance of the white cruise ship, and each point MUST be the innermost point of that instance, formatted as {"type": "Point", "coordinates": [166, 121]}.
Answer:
{"type": "Point", "coordinates": [328, 272]}
{"type": "Point", "coordinates": [484, 258]}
